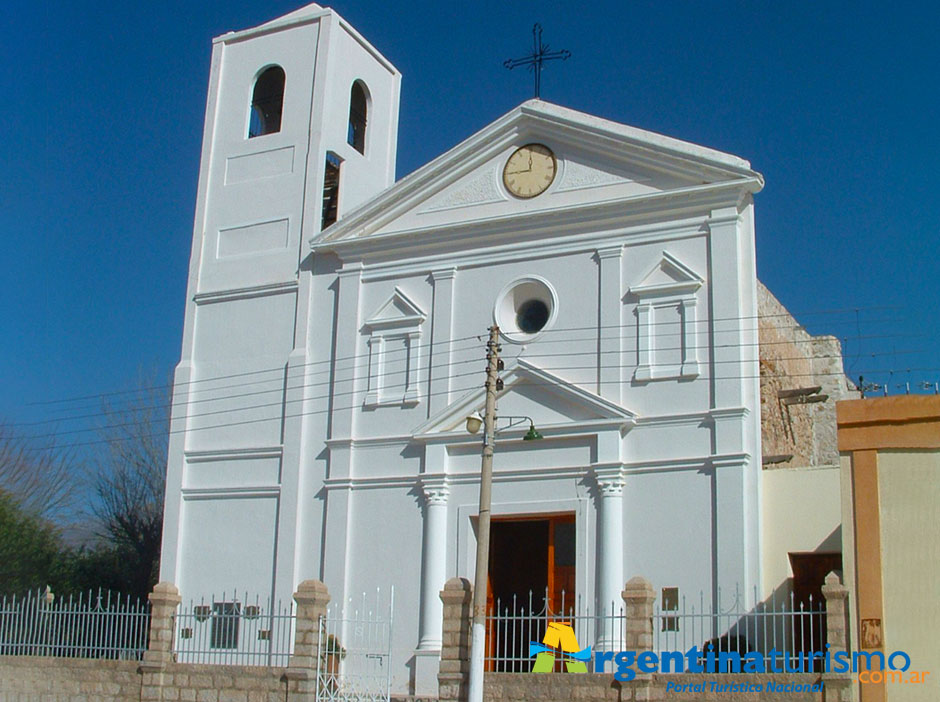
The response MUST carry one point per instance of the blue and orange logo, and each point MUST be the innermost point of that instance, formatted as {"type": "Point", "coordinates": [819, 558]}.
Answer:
{"type": "Point", "coordinates": [559, 635]}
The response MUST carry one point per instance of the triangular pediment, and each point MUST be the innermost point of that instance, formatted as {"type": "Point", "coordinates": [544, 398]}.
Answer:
{"type": "Point", "coordinates": [531, 391]}
{"type": "Point", "coordinates": [668, 276]}
{"type": "Point", "coordinates": [597, 163]}
{"type": "Point", "coordinates": [397, 311]}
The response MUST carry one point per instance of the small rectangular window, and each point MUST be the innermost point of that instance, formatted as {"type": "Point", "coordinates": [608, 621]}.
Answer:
{"type": "Point", "coordinates": [225, 619]}
{"type": "Point", "coordinates": [330, 189]}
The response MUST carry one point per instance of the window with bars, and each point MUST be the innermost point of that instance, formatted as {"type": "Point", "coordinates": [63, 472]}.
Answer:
{"type": "Point", "coordinates": [225, 619]}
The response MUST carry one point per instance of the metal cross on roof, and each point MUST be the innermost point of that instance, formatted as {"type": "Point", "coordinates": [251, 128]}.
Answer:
{"type": "Point", "coordinates": [540, 54]}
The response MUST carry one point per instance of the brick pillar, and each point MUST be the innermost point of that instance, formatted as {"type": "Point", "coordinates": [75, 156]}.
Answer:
{"type": "Point", "coordinates": [311, 598]}
{"type": "Point", "coordinates": [638, 597]}
{"type": "Point", "coordinates": [164, 600]}
{"type": "Point", "coordinates": [837, 687]}
{"type": "Point", "coordinates": [454, 676]}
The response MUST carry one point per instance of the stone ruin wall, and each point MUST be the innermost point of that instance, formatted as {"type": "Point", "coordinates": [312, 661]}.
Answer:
{"type": "Point", "coordinates": [792, 358]}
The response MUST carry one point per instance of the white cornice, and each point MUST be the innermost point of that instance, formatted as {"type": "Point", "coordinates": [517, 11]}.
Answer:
{"type": "Point", "coordinates": [534, 474]}
{"type": "Point", "coordinates": [206, 298]}
{"type": "Point", "coordinates": [555, 222]}
{"type": "Point", "coordinates": [233, 454]}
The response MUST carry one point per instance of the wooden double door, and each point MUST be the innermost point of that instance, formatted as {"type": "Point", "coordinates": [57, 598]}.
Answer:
{"type": "Point", "coordinates": [531, 580]}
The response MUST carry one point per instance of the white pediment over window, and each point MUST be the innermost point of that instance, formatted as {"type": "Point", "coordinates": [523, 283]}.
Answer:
{"type": "Point", "coordinates": [397, 311]}
{"type": "Point", "coordinates": [394, 332]}
{"type": "Point", "coordinates": [552, 402]}
{"type": "Point", "coordinates": [667, 329]}
{"type": "Point", "coordinates": [668, 277]}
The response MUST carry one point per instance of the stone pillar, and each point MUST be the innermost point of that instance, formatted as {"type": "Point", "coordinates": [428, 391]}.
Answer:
{"type": "Point", "coordinates": [164, 600]}
{"type": "Point", "coordinates": [454, 676]}
{"type": "Point", "coordinates": [311, 598]}
{"type": "Point", "coordinates": [638, 597]}
{"type": "Point", "coordinates": [609, 556]}
{"type": "Point", "coordinates": [433, 574]}
{"type": "Point", "coordinates": [837, 687]}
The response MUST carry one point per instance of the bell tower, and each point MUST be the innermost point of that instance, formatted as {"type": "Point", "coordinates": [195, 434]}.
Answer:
{"type": "Point", "coordinates": [301, 127]}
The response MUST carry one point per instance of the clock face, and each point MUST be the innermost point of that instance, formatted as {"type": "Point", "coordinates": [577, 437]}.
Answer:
{"type": "Point", "coordinates": [530, 170]}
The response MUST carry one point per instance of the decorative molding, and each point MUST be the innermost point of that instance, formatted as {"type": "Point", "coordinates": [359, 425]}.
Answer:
{"type": "Point", "coordinates": [522, 250]}
{"type": "Point", "coordinates": [658, 297]}
{"type": "Point", "coordinates": [480, 190]}
{"type": "Point", "coordinates": [580, 176]}
{"type": "Point", "coordinates": [207, 298]}
{"type": "Point", "coordinates": [398, 310]}
{"type": "Point", "coordinates": [398, 319]}
{"type": "Point", "coordinates": [212, 455]}
{"type": "Point", "coordinates": [434, 495]}
{"type": "Point", "coordinates": [444, 274]}
{"type": "Point", "coordinates": [609, 485]}
{"type": "Point", "coordinates": [683, 279]}
{"type": "Point", "coordinates": [221, 493]}
{"type": "Point", "coordinates": [610, 414]}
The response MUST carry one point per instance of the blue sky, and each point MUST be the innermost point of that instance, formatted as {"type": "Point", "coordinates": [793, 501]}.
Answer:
{"type": "Point", "coordinates": [831, 101]}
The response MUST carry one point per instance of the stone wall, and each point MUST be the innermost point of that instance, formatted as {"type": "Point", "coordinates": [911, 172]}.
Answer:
{"type": "Point", "coordinates": [791, 358]}
{"type": "Point", "coordinates": [597, 687]}
{"type": "Point", "coordinates": [42, 679]}
{"type": "Point", "coordinates": [38, 679]}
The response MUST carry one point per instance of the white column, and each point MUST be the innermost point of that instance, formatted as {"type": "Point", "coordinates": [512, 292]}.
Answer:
{"type": "Point", "coordinates": [433, 575]}
{"type": "Point", "coordinates": [609, 557]}
{"type": "Point", "coordinates": [433, 566]}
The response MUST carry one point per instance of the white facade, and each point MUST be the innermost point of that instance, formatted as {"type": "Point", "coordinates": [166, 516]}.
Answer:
{"type": "Point", "coordinates": [325, 375]}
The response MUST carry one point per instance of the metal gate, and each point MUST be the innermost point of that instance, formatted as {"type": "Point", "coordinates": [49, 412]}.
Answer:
{"type": "Point", "coordinates": [355, 641]}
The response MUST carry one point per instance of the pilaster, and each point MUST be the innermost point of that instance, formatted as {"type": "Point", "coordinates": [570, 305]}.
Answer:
{"type": "Point", "coordinates": [441, 349]}
{"type": "Point", "coordinates": [610, 334]}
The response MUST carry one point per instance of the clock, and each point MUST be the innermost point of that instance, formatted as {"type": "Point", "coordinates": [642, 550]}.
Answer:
{"type": "Point", "coordinates": [530, 170]}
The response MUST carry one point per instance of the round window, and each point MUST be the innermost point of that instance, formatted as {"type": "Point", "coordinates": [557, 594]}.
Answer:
{"type": "Point", "coordinates": [525, 308]}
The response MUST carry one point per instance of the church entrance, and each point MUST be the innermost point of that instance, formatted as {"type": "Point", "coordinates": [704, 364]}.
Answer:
{"type": "Point", "coordinates": [531, 581]}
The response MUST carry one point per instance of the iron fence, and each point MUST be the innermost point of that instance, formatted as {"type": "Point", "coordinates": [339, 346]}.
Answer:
{"type": "Point", "coordinates": [87, 625]}
{"type": "Point", "coordinates": [779, 631]}
{"type": "Point", "coordinates": [235, 629]}
{"type": "Point", "coordinates": [512, 626]}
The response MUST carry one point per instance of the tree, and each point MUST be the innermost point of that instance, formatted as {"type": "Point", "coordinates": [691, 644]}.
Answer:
{"type": "Point", "coordinates": [29, 549]}
{"type": "Point", "coordinates": [130, 486]}
{"type": "Point", "coordinates": [40, 478]}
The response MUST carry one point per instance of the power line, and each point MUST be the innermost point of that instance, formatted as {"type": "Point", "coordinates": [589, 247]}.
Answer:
{"type": "Point", "coordinates": [706, 320]}
{"type": "Point", "coordinates": [283, 386]}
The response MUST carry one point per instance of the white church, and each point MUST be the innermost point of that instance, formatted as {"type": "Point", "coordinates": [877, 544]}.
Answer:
{"type": "Point", "coordinates": [334, 345]}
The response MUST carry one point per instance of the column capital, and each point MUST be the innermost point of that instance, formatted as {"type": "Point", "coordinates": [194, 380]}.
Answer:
{"type": "Point", "coordinates": [435, 493]}
{"type": "Point", "coordinates": [609, 481]}
{"type": "Point", "coordinates": [444, 274]}
{"type": "Point", "coordinates": [610, 252]}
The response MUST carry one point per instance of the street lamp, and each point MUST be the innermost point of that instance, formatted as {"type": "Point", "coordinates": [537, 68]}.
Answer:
{"type": "Point", "coordinates": [475, 421]}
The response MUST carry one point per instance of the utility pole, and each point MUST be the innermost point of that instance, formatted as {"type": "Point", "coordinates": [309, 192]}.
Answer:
{"type": "Point", "coordinates": [478, 629]}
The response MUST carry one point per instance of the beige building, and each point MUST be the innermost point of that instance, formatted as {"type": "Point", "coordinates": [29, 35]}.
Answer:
{"type": "Point", "coordinates": [890, 464]}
